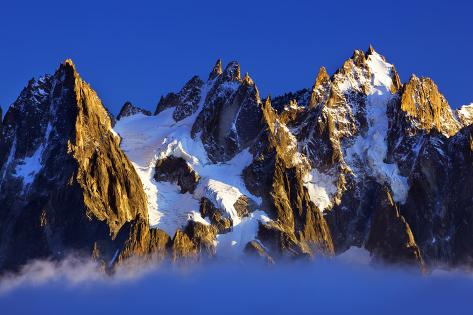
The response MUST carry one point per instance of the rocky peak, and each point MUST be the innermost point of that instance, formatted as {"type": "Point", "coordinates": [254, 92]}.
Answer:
{"type": "Point", "coordinates": [320, 89]}
{"type": "Point", "coordinates": [247, 80]}
{"type": "Point", "coordinates": [359, 58]}
{"type": "Point", "coordinates": [216, 71]}
{"type": "Point", "coordinates": [185, 102]}
{"type": "Point", "coordinates": [128, 109]}
{"type": "Point", "coordinates": [65, 176]}
{"type": "Point", "coordinates": [231, 72]}
{"type": "Point", "coordinates": [231, 113]}
{"type": "Point", "coordinates": [426, 107]}
{"type": "Point", "coordinates": [465, 115]}
{"type": "Point", "coordinates": [370, 50]}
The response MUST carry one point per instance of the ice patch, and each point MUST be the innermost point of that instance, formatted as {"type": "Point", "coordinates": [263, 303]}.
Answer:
{"type": "Point", "coordinates": [29, 166]}
{"type": "Point", "coordinates": [321, 187]}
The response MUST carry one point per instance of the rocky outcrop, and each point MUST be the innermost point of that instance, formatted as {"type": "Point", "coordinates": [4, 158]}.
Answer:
{"type": "Point", "coordinates": [217, 219]}
{"type": "Point", "coordinates": [426, 108]}
{"type": "Point", "coordinates": [128, 109]}
{"type": "Point", "coordinates": [216, 71]}
{"type": "Point", "coordinates": [185, 102]}
{"type": "Point", "coordinates": [176, 170]}
{"type": "Point", "coordinates": [231, 115]}
{"type": "Point", "coordinates": [203, 236]}
{"type": "Point", "coordinates": [321, 89]}
{"type": "Point", "coordinates": [244, 206]}
{"type": "Point", "coordinates": [299, 227]}
{"type": "Point", "coordinates": [183, 249]}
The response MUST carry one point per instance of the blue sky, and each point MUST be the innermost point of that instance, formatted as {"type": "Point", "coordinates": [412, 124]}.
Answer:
{"type": "Point", "coordinates": [139, 50]}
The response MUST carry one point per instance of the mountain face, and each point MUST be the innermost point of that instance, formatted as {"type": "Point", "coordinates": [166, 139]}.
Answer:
{"type": "Point", "coordinates": [357, 160]}
{"type": "Point", "coordinates": [66, 185]}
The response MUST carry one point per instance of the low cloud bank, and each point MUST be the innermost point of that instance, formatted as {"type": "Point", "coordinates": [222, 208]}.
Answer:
{"type": "Point", "coordinates": [344, 285]}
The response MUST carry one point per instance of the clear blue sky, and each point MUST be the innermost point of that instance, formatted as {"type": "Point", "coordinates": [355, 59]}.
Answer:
{"type": "Point", "coordinates": [139, 50]}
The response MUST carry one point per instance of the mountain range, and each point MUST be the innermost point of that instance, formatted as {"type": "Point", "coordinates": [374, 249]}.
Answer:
{"type": "Point", "coordinates": [358, 160]}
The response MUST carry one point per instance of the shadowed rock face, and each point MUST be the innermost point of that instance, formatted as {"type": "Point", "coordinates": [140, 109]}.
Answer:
{"type": "Point", "coordinates": [231, 115]}
{"type": "Point", "coordinates": [390, 238]}
{"type": "Point", "coordinates": [128, 109]}
{"type": "Point", "coordinates": [176, 170]}
{"type": "Point", "coordinates": [185, 102]}
{"type": "Point", "coordinates": [298, 227]}
{"type": "Point", "coordinates": [1, 124]}
{"type": "Point", "coordinates": [439, 205]}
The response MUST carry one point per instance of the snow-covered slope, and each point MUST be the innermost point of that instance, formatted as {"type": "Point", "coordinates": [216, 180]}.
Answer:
{"type": "Point", "coordinates": [147, 139]}
{"type": "Point", "coordinates": [369, 149]}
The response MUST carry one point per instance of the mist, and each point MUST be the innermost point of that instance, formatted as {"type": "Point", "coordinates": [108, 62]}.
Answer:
{"type": "Point", "coordinates": [343, 285]}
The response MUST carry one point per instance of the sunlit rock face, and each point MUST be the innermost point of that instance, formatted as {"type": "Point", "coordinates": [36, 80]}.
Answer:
{"type": "Point", "coordinates": [65, 183]}
{"type": "Point", "coordinates": [357, 160]}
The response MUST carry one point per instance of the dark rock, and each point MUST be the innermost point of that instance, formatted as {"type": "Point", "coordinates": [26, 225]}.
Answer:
{"type": "Point", "coordinates": [176, 170]}
{"type": "Point", "coordinates": [390, 238]}
{"type": "Point", "coordinates": [128, 109]}
{"type": "Point", "coordinates": [185, 102]}
{"type": "Point", "coordinates": [208, 210]}
{"type": "Point", "coordinates": [216, 71]}
{"type": "Point", "coordinates": [230, 118]}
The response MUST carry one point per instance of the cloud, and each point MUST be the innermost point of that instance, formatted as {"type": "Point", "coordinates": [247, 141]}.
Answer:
{"type": "Point", "coordinates": [342, 285]}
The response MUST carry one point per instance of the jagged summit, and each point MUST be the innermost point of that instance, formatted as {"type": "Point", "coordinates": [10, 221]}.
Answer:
{"type": "Point", "coordinates": [216, 71]}
{"type": "Point", "coordinates": [370, 50]}
{"type": "Point", "coordinates": [319, 88]}
{"type": "Point", "coordinates": [428, 109]}
{"type": "Point", "coordinates": [231, 72]}
{"type": "Point", "coordinates": [247, 79]}
{"type": "Point", "coordinates": [128, 109]}
{"type": "Point", "coordinates": [68, 62]}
